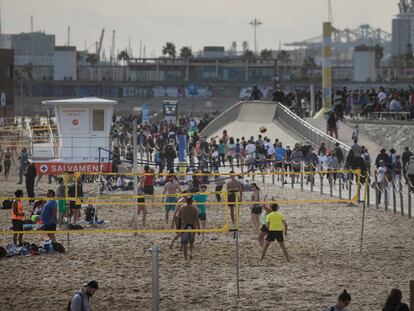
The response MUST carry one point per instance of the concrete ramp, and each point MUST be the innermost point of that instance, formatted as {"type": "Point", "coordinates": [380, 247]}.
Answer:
{"type": "Point", "coordinates": [246, 118]}
{"type": "Point", "coordinates": [257, 112]}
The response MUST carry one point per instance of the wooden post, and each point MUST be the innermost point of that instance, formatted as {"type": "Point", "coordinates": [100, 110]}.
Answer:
{"type": "Point", "coordinates": [401, 196]}
{"type": "Point", "coordinates": [301, 181]}
{"type": "Point", "coordinates": [283, 174]}
{"type": "Point", "coordinates": [412, 295]}
{"type": "Point", "coordinates": [330, 183]}
{"type": "Point", "coordinates": [263, 177]}
{"type": "Point", "coordinates": [321, 177]}
{"type": "Point", "coordinates": [340, 185]}
{"type": "Point", "coordinates": [273, 177]}
{"type": "Point", "coordinates": [376, 190]}
{"type": "Point", "coordinates": [350, 187]}
{"type": "Point", "coordinates": [394, 198]}
{"type": "Point", "coordinates": [292, 180]}
{"type": "Point", "coordinates": [409, 202]}
{"type": "Point", "coordinates": [312, 185]}
{"type": "Point", "coordinates": [368, 189]}
{"type": "Point", "coordinates": [385, 190]}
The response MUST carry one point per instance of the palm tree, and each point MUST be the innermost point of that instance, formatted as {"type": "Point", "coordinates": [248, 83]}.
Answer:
{"type": "Point", "coordinates": [248, 55]}
{"type": "Point", "coordinates": [284, 58]}
{"type": "Point", "coordinates": [123, 55]}
{"type": "Point", "coordinates": [28, 70]}
{"type": "Point", "coordinates": [92, 58]}
{"type": "Point", "coordinates": [186, 52]}
{"type": "Point", "coordinates": [266, 54]}
{"type": "Point", "coordinates": [308, 63]}
{"type": "Point", "coordinates": [169, 49]}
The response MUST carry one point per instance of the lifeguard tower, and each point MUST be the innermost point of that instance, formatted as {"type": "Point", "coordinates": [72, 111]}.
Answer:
{"type": "Point", "coordinates": [83, 141]}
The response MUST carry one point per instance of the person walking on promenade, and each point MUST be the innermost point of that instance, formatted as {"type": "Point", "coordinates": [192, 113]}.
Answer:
{"type": "Point", "coordinates": [332, 126]}
{"type": "Point", "coordinates": [277, 226]}
{"type": "Point", "coordinates": [394, 303]}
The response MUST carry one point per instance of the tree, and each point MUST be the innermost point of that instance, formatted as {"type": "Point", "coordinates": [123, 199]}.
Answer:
{"type": "Point", "coordinates": [169, 49]}
{"type": "Point", "coordinates": [266, 54]}
{"type": "Point", "coordinates": [92, 59]}
{"type": "Point", "coordinates": [248, 55]}
{"type": "Point", "coordinates": [28, 70]}
{"type": "Point", "coordinates": [186, 52]}
{"type": "Point", "coordinates": [309, 62]}
{"type": "Point", "coordinates": [284, 58]}
{"type": "Point", "coordinates": [123, 55]}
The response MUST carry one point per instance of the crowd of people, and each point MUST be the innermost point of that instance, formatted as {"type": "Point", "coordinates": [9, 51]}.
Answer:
{"type": "Point", "coordinates": [351, 103]}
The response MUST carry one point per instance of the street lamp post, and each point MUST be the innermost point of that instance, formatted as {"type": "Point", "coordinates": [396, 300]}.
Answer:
{"type": "Point", "coordinates": [255, 23]}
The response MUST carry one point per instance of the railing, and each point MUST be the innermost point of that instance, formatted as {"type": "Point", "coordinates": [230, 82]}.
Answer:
{"type": "Point", "coordinates": [307, 131]}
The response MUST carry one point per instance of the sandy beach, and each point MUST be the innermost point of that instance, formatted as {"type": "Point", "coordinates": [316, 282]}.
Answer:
{"type": "Point", "coordinates": [323, 241]}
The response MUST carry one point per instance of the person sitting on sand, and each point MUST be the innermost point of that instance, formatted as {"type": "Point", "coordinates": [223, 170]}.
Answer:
{"type": "Point", "coordinates": [189, 219]}
{"type": "Point", "coordinates": [276, 224]}
{"type": "Point", "coordinates": [394, 303]}
{"type": "Point", "coordinates": [344, 300]}
{"type": "Point", "coordinates": [171, 189]}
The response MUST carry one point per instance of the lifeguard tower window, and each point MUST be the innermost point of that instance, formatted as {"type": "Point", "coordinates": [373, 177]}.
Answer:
{"type": "Point", "coordinates": [98, 120]}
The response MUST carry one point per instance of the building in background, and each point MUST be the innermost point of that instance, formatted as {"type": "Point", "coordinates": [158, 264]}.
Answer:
{"type": "Point", "coordinates": [364, 67]}
{"type": "Point", "coordinates": [64, 63]}
{"type": "Point", "coordinates": [33, 53]}
{"type": "Point", "coordinates": [6, 83]}
{"type": "Point", "coordinates": [403, 28]}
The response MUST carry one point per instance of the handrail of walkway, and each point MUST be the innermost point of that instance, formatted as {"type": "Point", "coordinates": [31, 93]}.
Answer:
{"type": "Point", "coordinates": [306, 130]}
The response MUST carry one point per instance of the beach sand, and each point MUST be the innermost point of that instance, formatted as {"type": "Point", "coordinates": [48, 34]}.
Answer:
{"type": "Point", "coordinates": [323, 241]}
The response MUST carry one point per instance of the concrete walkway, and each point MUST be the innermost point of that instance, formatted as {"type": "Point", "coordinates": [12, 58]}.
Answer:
{"type": "Point", "coordinates": [345, 135]}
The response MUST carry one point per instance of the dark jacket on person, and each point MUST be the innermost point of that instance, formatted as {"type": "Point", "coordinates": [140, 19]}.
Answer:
{"type": "Point", "coordinates": [385, 157]}
{"type": "Point", "coordinates": [31, 173]}
{"type": "Point", "coordinates": [332, 121]}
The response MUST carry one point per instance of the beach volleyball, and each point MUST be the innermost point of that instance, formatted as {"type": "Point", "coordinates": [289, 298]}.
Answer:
{"type": "Point", "coordinates": [263, 129]}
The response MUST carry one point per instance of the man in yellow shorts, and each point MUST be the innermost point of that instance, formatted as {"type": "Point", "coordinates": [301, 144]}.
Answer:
{"type": "Point", "coordinates": [276, 224]}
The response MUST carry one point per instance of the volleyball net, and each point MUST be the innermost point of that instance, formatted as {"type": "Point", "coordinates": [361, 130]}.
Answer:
{"type": "Point", "coordinates": [117, 208]}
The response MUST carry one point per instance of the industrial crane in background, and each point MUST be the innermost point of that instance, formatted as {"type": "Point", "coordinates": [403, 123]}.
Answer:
{"type": "Point", "coordinates": [99, 45]}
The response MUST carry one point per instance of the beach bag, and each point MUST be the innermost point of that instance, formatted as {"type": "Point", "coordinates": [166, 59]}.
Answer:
{"type": "Point", "coordinates": [58, 247]}
{"type": "Point", "coordinates": [7, 204]}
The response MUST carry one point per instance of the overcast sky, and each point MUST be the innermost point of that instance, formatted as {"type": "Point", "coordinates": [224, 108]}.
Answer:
{"type": "Point", "coordinates": [192, 23]}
